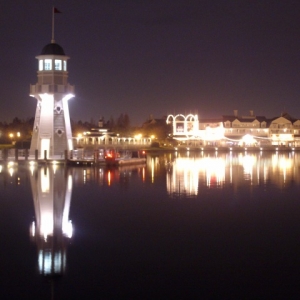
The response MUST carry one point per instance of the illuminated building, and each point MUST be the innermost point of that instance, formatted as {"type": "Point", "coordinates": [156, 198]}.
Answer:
{"type": "Point", "coordinates": [98, 137]}
{"type": "Point", "coordinates": [235, 130]}
{"type": "Point", "coordinates": [52, 133]}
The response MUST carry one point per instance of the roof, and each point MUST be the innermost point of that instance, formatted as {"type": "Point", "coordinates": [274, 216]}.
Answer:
{"type": "Point", "coordinates": [211, 120]}
{"type": "Point", "coordinates": [246, 119]}
{"type": "Point", "coordinates": [53, 49]}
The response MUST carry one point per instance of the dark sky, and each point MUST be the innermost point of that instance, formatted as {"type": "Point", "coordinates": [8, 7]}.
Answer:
{"type": "Point", "coordinates": [157, 56]}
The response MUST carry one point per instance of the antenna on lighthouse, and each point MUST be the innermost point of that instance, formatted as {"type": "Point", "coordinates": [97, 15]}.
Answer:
{"type": "Point", "coordinates": [54, 11]}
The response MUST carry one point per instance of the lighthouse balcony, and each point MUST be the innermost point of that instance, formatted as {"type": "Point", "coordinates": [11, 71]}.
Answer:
{"type": "Point", "coordinates": [51, 88]}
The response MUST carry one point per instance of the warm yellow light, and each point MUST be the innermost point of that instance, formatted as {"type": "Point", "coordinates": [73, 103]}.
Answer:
{"type": "Point", "coordinates": [11, 135]}
{"type": "Point", "coordinates": [138, 136]}
{"type": "Point", "coordinates": [18, 134]}
{"type": "Point", "coordinates": [79, 135]}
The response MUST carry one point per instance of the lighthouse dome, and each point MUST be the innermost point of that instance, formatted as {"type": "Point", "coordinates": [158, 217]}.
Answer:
{"type": "Point", "coordinates": [53, 49]}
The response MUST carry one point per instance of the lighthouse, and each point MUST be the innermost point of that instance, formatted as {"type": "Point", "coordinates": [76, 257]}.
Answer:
{"type": "Point", "coordinates": [52, 133]}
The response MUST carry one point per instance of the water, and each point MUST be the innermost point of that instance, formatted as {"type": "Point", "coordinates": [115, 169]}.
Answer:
{"type": "Point", "coordinates": [184, 226]}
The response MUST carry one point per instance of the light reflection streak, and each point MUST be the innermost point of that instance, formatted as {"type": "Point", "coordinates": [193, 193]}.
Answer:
{"type": "Point", "coordinates": [152, 169]}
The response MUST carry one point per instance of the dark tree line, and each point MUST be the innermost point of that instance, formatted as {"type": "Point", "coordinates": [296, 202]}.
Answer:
{"type": "Point", "coordinates": [17, 130]}
{"type": "Point", "coordinates": [121, 125]}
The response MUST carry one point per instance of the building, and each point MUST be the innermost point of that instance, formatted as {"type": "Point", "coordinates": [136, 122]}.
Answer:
{"type": "Point", "coordinates": [52, 133]}
{"type": "Point", "coordinates": [237, 130]}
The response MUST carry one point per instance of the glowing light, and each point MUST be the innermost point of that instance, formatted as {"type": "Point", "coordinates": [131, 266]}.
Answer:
{"type": "Point", "coordinates": [67, 97]}
{"type": "Point", "coordinates": [48, 64]}
{"type": "Point", "coordinates": [247, 140]}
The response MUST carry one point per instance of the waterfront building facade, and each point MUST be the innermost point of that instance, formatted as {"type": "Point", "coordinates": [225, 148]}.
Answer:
{"type": "Point", "coordinates": [235, 130]}
{"type": "Point", "coordinates": [101, 137]}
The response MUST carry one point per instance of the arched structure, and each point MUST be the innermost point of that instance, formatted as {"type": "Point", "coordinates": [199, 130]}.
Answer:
{"type": "Point", "coordinates": [184, 127]}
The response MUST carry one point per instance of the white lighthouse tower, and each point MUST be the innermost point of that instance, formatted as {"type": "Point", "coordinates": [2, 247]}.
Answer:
{"type": "Point", "coordinates": [52, 133]}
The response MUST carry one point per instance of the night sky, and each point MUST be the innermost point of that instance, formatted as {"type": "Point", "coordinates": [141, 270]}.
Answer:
{"type": "Point", "coordinates": [157, 57]}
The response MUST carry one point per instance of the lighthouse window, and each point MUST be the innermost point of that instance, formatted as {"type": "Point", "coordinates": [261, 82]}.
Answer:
{"type": "Point", "coordinates": [48, 64]}
{"type": "Point", "coordinates": [65, 65]}
{"type": "Point", "coordinates": [41, 64]}
{"type": "Point", "coordinates": [58, 64]}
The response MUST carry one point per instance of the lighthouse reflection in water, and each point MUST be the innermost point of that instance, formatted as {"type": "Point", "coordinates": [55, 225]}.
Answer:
{"type": "Point", "coordinates": [52, 229]}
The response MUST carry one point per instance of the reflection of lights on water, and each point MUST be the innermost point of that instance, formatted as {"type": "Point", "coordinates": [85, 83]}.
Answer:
{"type": "Point", "coordinates": [70, 183]}
{"type": "Point", "coordinates": [31, 168]}
{"type": "Point", "coordinates": [215, 171]}
{"type": "Point", "coordinates": [10, 166]}
{"type": "Point", "coordinates": [248, 162]}
{"type": "Point", "coordinates": [284, 164]}
{"type": "Point", "coordinates": [48, 260]}
{"type": "Point", "coordinates": [32, 229]}
{"type": "Point", "coordinates": [186, 173]}
{"type": "Point", "coordinates": [54, 168]}
{"type": "Point", "coordinates": [84, 176]}
{"type": "Point", "coordinates": [152, 169]}
{"type": "Point", "coordinates": [45, 180]}
{"type": "Point", "coordinates": [11, 171]}
{"type": "Point", "coordinates": [109, 177]}
{"type": "Point", "coordinates": [46, 224]}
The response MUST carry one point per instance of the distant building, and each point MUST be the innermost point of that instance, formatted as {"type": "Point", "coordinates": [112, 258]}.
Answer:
{"type": "Point", "coordinates": [237, 130]}
{"type": "Point", "coordinates": [102, 136]}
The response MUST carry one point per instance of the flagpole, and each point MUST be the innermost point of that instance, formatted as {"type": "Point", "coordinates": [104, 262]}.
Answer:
{"type": "Point", "coordinates": [52, 40]}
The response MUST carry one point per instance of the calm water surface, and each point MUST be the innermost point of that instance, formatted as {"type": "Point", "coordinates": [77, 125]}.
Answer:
{"type": "Point", "coordinates": [183, 226]}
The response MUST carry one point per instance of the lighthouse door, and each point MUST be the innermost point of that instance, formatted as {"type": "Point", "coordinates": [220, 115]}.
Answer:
{"type": "Point", "coordinates": [45, 146]}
